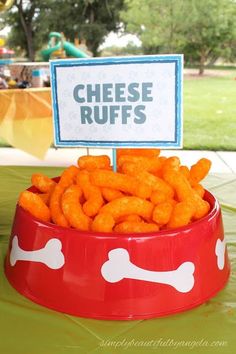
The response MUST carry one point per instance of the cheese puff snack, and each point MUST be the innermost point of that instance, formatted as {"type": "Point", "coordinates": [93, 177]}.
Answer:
{"type": "Point", "coordinates": [199, 170]}
{"type": "Point", "coordinates": [158, 197]}
{"type": "Point", "coordinates": [34, 205]}
{"type": "Point", "coordinates": [128, 205]}
{"type": "Point", "coordinates": [103, 222]}
{"type": "Point", "coordinates": [162, 213]}
{"type": "Point", "coordinates": [181, 215]}
{"type": "Point", "coordinates": [202, 207]}
{"type": "Point", "coordinates": [45, 197]}
{"type": "Point", "coordinates": [55, 206]}
{"type": "Point", "coordinates": [68, 177]}
{"type": "Point", "coordinates": [92, 194]}
{"type": "Point", "coordinates": [144, 163]}
{"type": "Point", "coordinates": [179, 183]}
{"type": "Point", "coordinates": [185, 171]}
{"type": "Point", "coordinates": [138, 152]}
{"type": "Point", "coordinates": [116, 180]}
{"type": "Point", "coordinates": [131, 217]}
{"type": "Point", "coordinates": [172, 163]}
{"type": "Point", "coordinates": [199, 189]}
{"type": "Point", "coordinates": [90, 163]}
{"type": "Point", "coordinates": [72, 208]}
{"type": "Point", "coordinates": [149, 193]}
{"type": "Point", "coordinates": [42, 183]}
{"type": "Point", "coordinates": [137, 227]}
{"type": "Point", "coordinates": [156, 183]}
{"type": "Point", "coordinates": [185, 192]}
{"type": "Point", "coordinates": [110, 194]}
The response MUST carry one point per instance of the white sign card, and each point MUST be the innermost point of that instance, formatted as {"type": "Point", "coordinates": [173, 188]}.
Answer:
{"type": "Point", "coordinates": [115, 102]}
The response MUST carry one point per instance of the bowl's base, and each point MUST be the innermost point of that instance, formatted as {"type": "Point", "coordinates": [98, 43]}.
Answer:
{"type": "Point", "coordinates": [127, 317]}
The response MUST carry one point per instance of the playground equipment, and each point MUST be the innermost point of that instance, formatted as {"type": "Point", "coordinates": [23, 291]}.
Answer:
{"type": "Point", "coordinates": [57, 46]}
{"type": "Point", "coordinates": [6, 54]}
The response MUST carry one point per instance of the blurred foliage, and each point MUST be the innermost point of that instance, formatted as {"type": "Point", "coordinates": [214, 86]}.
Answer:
{"type": "Point", "coordinates": [129, 49]}
{"type": "Point", "coordinates": [31, 21]}
{"type": "Point", "coordinates": [203, 30]}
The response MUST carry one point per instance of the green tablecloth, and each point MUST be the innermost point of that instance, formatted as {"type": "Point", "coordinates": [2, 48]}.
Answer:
{"type": "Point", "coordinates": [31, 329]}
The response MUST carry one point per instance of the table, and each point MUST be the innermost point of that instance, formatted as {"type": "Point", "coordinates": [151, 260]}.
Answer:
{"type": "Point", "coordinates": [28, 328]}
{"type": "Point", "coordinates": [26, 119]}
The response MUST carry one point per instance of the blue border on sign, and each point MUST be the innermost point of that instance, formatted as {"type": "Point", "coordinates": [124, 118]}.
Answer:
{"type": "Point", "coordinates": [176, 59]}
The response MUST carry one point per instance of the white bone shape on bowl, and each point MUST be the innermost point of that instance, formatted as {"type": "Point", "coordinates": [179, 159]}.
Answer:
{"type": "Point", "coordinates": [50, 255]}
{"type": "Point", "coordinates": [220, 253]}
{"type": "Point", "coordinates": [119, 267]}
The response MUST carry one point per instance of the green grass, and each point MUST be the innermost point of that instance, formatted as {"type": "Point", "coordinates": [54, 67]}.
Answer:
{"type": "Point", "coordinates": [210, 113]}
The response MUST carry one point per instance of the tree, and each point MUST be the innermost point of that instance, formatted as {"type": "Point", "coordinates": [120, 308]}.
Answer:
{"type": "Point", "coordinates": [91, 20]}
{"type": "Point", "coordinates": [25, 26]}
{"type": "Point", "coordinates": [129, 49]}
{"type": "Point", "coordinates": [201, 29]}
{"type": "Point", "coordinates": [156, 22]}
{"type": "Point", "coordinates": [210, 30]}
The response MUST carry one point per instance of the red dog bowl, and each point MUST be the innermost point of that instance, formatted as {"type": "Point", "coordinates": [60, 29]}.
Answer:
{"type": "Point", "coordinates": [118, 276]}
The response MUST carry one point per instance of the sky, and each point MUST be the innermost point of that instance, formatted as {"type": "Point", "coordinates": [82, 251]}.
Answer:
{"type": "Point", "coordinates": [120, 40]}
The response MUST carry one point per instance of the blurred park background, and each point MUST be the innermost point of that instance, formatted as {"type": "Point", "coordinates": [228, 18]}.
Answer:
{"type": "Point", "coordinates": [203, 30]}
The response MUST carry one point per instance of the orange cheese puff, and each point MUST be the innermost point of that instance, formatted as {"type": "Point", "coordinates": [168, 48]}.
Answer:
{"type": "Point", "coordinates": [93, 162]}
{"type": "Point", "coordinates": [94, 203]}
{"type": "Point", "coordinates": [72, 208]}
{"type": "Point", "coordinates": [162, 213]}
{"type": "Point", "coordinates": [124, 183]}
{"type": "Point", "coordinates": [55, 207]}
{"type": "Point", "coordinates": [180, 184]}
{"type": "Point", "coordinates": [131, 217]}
{"type": "Point", "coordinates": [132, 226]}
{"type": "Point", "coordinates": [34, 205]}
{"type": "Point", "coordinates": [202, 207]}
{"type": "Point", "coordinates": [185, 192]}
{"type": "Point", "coordinates": [181, 215]}
{"type": "Point", "coordinates": [161, 159]}
{"type": "Point", "coordinates": [103, 223]}
{"type": "Point", "coordinates": [110, 194]}
{"type": "Point", "coordinates": [154, 182]}
{"type": "Point", "coordinates": [185, 171]}
{"type": "Point", "coordinates": [172, 201]}
{"type": "Point", "coordinates": [42, 183]}
{"type": "Point", "coordinates": [130, 168]}
{"type": "Point", "coordinates": [138, 152]}
{"type": "Point", "coordinates": [144, 163]}
{"type": "Point", "coordinates": [68, 176]}
{"type": "Point", "coordinates": [45, 197]}
{"type": "Point", "coordinates": [92, 194]}
{"type": "Point", "coordinates": [199, 170]}
{"type": "Point", "coordinates": [158, 197]}
{"type": "Point", "coordinates": [171, 163]}
{"type": "Point", "coordinates": [83, 180]}
{"type": "Point", "coordinates": [199, 189]}
{"type": "Point", "coordinates": [128, 205]}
